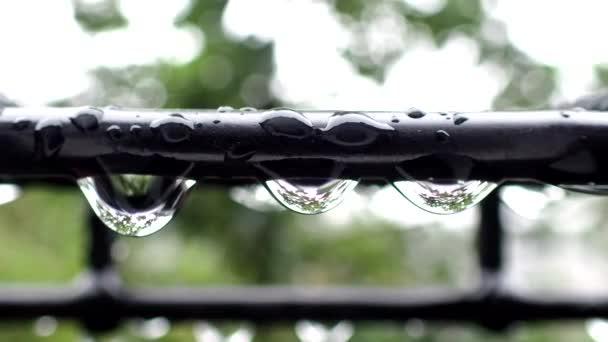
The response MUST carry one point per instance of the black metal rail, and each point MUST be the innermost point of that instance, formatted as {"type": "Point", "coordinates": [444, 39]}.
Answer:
{"type": "Point", "coordinates": [561, 146]}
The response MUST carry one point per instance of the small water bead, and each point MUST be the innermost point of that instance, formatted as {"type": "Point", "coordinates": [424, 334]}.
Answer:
{"type": "Point", "coordinates": [49, 137]}
{"type": "Point", "coordinates": [136, 130]}
{"type": "Point", "coordinates": [174, 129]}
{"type": "Point", "coordinates": [21, 124]}
{"type": "Point", "coordinates": [284, 122]}
{"type": "Point", "coordinates": [87, 119]}
{"type": "Point", "coordinates": [442, 136]}
{"type": "Point", "coordinates": [353, 129]}
{"type": "Point", "coordinates": [310, 198]}
{"type": "Point", "coordinates": [114, 132]}
{"type": "Point", "coordinates": [134, 205]}
{"type": "Point", "coordinates": [247, 109]}
{"type": "Point", "coordinates": [444, 198]}
{"type": "Point", "coordinates": [225, 109]}
{"type": "Point", "coordinates": [460, 120]}
{"type": "Point", "coordinates": [416, 114]}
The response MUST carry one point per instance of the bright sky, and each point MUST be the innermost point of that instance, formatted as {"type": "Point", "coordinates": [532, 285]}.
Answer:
{"type": "Point", "coordinates": [51, 61]}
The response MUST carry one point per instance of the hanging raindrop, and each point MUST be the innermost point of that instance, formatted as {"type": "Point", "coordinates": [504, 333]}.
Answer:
{"type": "Point", "coordinates": [310, 197]}
{"type": "Point", "coordinates": [444, 198]}
{"type": "Point", "coordinates": [135, 205]}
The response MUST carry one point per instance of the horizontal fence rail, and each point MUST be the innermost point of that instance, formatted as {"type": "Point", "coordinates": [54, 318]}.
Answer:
{"type": "Point", "coordinates": [553, 146]}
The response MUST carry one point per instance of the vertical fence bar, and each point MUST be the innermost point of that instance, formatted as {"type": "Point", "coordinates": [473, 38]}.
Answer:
{"type": "Point", "coordinates": [99, 248]}
{"type": "Point", "coordinates": [490, 247]}
{"type": "Point", "coordinates": [102, 306]}
{"type": "Point", "coordinates": [490, 238]}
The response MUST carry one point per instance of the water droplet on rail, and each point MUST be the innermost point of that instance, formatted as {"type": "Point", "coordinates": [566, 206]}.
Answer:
{"type": "Point", "coordinates": [309, 197]}
{"type": "Point", "coordinates": [136, 130]}
{"type": "Point", "coordinates": [286, 123]}
{"type": "Point", "coordinates": [21, 124]}
{"type": "Point", "coordinates": [87, 119]}
{"type": "Point", "coordinates": [353, 129]}
{"type": "Point", "coordinates": [444, 198]}
{"type": "Point", "coordinates": [114, 132]}
{"type": "Point", "coordinates": [248, 109]}
{"type": "Point", "coordinates": [442, 136]}
{"type": "Point", "coordinates": [416, 114]}
{"type": "Point", "coordinates": [565, 114]}
{"type": "Point", "coordinates": [460, 120]}
{"type": "Point", "coordinates": [216, 121]}
{"type": "Point", "coordinates": [174, 128]}
{"type": "Point", "coordinates": [225, 109]}
{"type": "Point", "coordinates": [134, 205]}
{"type": "Point", "coordinates": [49, 137]}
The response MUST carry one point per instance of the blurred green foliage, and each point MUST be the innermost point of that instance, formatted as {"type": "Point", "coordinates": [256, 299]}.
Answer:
{"type": "Point", "coordinates": [214, 240]}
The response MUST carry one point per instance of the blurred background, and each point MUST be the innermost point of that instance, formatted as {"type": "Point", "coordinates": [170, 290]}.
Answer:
{"type": "Point", "coordinates": [307, 54]}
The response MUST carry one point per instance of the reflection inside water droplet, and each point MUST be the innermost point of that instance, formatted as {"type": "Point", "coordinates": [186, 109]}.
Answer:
{"type": "Point", "coordinates": [444, 198]}
{"type": "Point", "coordinates": [134, 205]}
{"type": "Point", "coordinates": [308, 197]}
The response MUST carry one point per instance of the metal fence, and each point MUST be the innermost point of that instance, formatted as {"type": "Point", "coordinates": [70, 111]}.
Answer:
{"type": "Point", "coordinates": [59, 144]}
